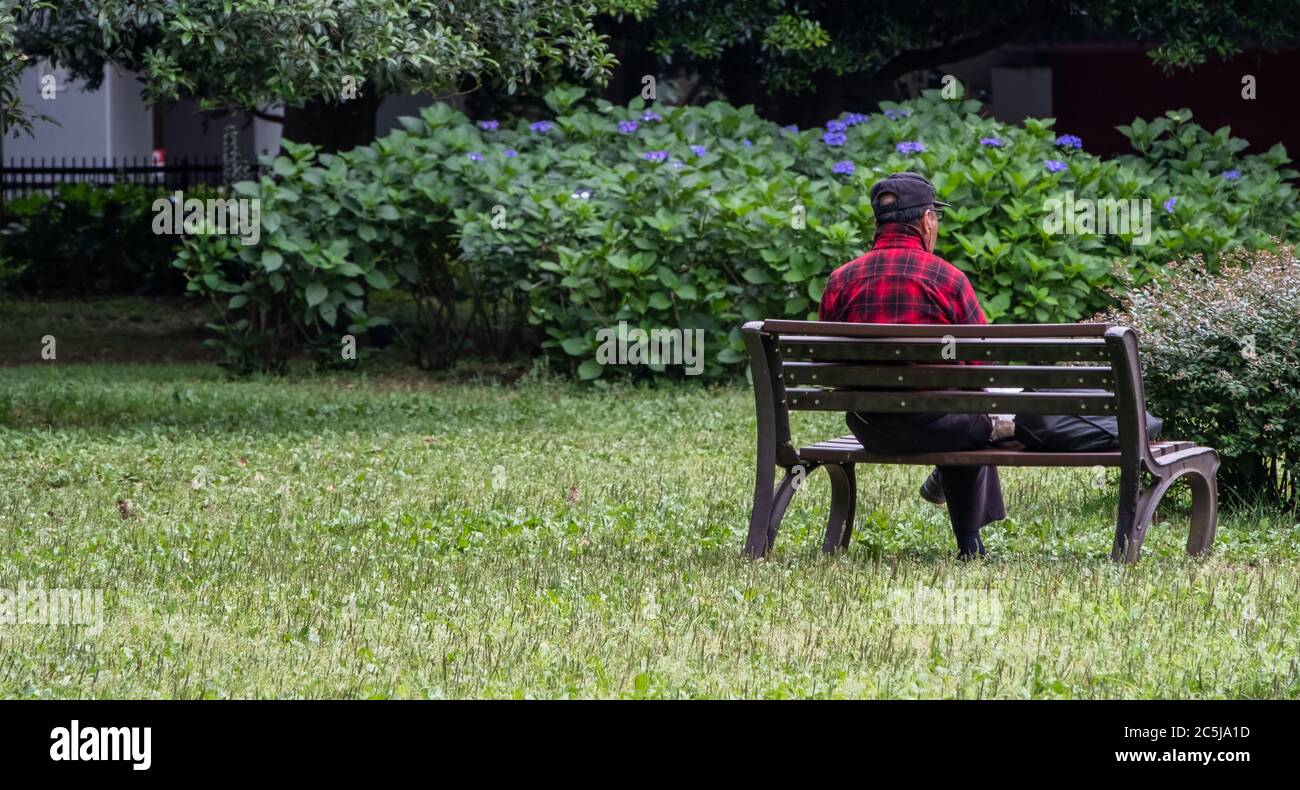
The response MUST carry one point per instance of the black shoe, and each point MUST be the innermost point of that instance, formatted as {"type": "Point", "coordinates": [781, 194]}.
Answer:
{"type": "Point", "coordinates": [932, 488]}
{"type": "Point", "coordinates": [976, 551]}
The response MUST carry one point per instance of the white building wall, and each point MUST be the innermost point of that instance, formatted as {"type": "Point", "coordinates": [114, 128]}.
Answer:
{"type": "Point", "coordinates": [112, 121]}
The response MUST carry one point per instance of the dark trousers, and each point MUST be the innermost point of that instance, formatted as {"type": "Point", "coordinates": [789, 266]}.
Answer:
{"type": "Point", "coordinates": [973, 492]}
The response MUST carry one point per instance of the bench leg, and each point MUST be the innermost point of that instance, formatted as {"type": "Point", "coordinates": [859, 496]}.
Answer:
{"type": "Point", "coordinates": [1130, 525]}
{"type": "Point", "coordinates": [1205, 509]}
{"type": "Point", "coordinates": [1134, 518]}
{"type": "Point", "coordinates": [844, 497]}
{"type": "Point", "coordinates": [1128, 535]}
{"type": "Point", "coordinates": [770, 506]}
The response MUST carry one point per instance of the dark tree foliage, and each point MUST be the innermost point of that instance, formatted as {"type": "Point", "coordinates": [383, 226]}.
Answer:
{"type": "Point", "coordinates": [814, 58]}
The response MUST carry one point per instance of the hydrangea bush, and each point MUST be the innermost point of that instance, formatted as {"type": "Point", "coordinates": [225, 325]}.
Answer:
{"type": "Point", "coordinates": [706, 216]}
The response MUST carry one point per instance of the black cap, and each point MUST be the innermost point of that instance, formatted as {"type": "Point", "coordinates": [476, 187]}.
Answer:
{"type": "Point", "coordinates": [910, 190]}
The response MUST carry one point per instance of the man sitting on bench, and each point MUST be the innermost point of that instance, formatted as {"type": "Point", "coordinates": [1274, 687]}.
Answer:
{"type": "Point", "coordinates": [901, 281]}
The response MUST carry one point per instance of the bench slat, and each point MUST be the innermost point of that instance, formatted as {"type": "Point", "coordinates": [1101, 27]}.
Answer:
{"type": "Point", "coordinates": [838, 374]}
{"type": "Point", "coordinates": [950, 402]}
{"type": "Point", "coordinates": [925, 349]}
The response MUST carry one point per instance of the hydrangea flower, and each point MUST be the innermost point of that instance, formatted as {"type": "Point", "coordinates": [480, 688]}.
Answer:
{"type": "Point", "coordinates": [676, 164]}
{"type": "Point", "coordinates": [541, 127]}
{"type": "Point", "coordinates": [747, 143]}
{"type": "Point", "coordinates": [843, 168]}
{"type": "Point", "coordinates": [1169, 205]}
{"type": "Point", "coordinates": [834, 138]}
{"type": "Point", "coordinates": [855, 118]}
{"type": "Point", "coordinates": [1231, 175]}
{"type": "Point", "coordinates": [581, 194]}
{"type": "Point", "coordinates": [627, 127]}
{"type": "Point", "coordinates": [894, 115]}
{"type": "Point", "coordinates": [1054, 165]}
{"type": "Point", "coordinates": [475, 156]}
{"type": "Point", "coordinates": [699, 150]}
{"type": "Point", "coordinates": [1069, 141]}
{"type": "Point", "coordinates": [991, 142]}
{"type": "Point", "coordinates": [510, 153]}
{"type": "Point", "coordinates": [835, 126]}
{"type": "Point", "coordinates": [910, 147]}
{"type": "Point", "coordinates": [655, 156]}
{"type": "Point", "coordinates": [489, 126]}
{"type": "Point", "coordinates": [651, 115]}
{"type": "Point", "coordinates": [791, 129]}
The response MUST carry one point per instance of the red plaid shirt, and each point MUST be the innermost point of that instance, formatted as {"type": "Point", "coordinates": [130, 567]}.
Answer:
{"type": "Point", "coordinates": [898, 282]}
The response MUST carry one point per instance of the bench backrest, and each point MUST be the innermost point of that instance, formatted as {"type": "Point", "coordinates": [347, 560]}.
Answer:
{"type": "Point", "coordinates": [825, 366]}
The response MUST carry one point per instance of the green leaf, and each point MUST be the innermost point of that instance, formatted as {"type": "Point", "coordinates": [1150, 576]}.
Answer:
{"type": "Point", "coordinates": [590, 369]}
{"type": "Point", "coordinates": [575, 346]}
{"type": "Point", "coordinates": [316, 293]}
{"type": "Point", "coordinates": [271, 260]}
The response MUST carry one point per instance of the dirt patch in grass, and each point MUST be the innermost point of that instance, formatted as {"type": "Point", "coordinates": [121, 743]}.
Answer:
{"type": "Point", "coordinates": [130, 330]}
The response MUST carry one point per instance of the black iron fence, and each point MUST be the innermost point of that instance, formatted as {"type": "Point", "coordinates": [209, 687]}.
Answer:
{"type": "Point", "coordinates": [24, 175]}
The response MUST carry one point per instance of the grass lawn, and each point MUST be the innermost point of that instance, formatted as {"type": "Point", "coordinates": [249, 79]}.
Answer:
{"type": "Point", "coordinates": [394, 534]}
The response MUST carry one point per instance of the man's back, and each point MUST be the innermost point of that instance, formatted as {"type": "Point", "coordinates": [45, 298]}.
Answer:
{"type": "Point", "coordinates": [898, 282]}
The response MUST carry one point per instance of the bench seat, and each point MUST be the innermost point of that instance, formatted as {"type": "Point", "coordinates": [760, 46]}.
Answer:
{"type": "Point", "coordinates": [846, 449]}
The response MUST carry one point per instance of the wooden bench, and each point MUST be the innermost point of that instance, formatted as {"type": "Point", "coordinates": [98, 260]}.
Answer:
{"type": "Point", "coordinates": [823, 366]}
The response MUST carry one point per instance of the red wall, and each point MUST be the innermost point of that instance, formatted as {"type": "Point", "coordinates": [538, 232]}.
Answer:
{"type": "Point", "coordinates": [1096, 88]}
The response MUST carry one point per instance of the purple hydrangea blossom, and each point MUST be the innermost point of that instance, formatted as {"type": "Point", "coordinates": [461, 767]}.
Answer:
{"type": "Point", "coordinates": [655, 156]}
{"type": "Point", "coordinates": [1069, 141]}
{"type": "Point", "coordinates": [791, 129]}
{"type": "Point", "coordinates": [836, 126]}
{"type": "Point", "coordinates": [834, 138]}
{"type": "Point", "coordinates": [676, 164]}
{"type": "Point", "coordinates": [475, 156]}
{"type": "Point", "coordinates": [1169, 205]}
{"type": "Point", "coordinates": [510, 153]}
{"type": "Point", "coordinates": [627, 127]}
{"type": "Point", "coordinates": [541, 127]}
{"type": "Point", "coordinates": [991, 142]}
{"type": "Point", "coordinates": [855, 118]}
{"type": "Point", "coordinates": [1231, 175]}
{"type": "Point", "coordinates": [843, 168]}
{"type": "Point", "coordinates": [1054, 165]}
{"type": "Point", "coordinates": [747, 143]}
{"type": "Point", "coordinates": [894, 115]}
{"type": "Point", "coordinates": [651, 115]}
{"type": "Point", "coordinates": [489, 126]}
{"type": "Point", "coordinates": [910, 147]}
{"type": "Point", "coordinates": [699, 150]}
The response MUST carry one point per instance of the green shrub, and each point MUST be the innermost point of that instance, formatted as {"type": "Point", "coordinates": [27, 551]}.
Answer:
{"type": "Point", "coordinates": [83, 239]}
{"type": "Point", "coordinates": [1221, 361]}
{"type": "Point", "coordinates": [305, 283]}
{"type": "Point", "coordinates": [703, 217]}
